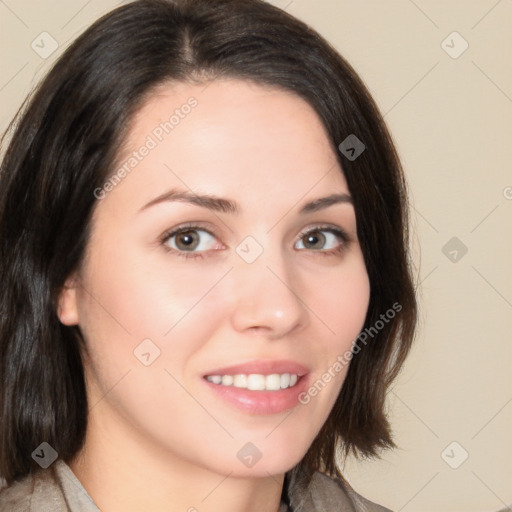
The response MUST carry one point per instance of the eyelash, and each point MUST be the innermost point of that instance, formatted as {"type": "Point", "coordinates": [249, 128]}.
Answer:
{"type": "Point", "coordinates": [340, 233]}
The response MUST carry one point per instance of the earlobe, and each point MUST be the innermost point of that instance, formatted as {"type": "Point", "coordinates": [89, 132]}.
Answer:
{"type": "Point", "coordinates": [67, 310]}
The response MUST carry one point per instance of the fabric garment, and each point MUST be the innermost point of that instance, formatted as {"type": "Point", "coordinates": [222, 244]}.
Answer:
{"type": "Point", "coordinates": [57, 489]}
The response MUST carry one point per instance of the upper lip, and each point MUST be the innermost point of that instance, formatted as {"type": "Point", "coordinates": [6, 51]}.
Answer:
{"type": "Point", "coordinates": [262, 367]}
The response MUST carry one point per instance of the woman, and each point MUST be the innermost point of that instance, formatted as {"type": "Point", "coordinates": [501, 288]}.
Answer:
{"type": "Point", "coordinates": [206, 282]}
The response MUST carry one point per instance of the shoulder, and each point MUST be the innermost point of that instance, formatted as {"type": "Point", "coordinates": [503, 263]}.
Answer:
{"type": "Point", "coordinates": [324, 492]}
{"type": "Point", "coordinates": [36, 492]}
{"type": "Point", "coordinates": [326, 487]}
{"type": "Point", "coordinates": [17, 496]}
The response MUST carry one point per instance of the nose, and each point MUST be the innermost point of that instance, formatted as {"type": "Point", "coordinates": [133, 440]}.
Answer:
{"type": "Point", "coordinates": [267, 298]}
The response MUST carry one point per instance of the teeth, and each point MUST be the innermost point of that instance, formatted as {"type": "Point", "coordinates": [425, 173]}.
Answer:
{"type": "Point", "coordinates": [273, 382]}
{"type": "Point", "coordinates": [240, 381]}
{"type": "Point", "coordinates": [227, 380]}
{"type": "Point", "coordinates": [255, 381]}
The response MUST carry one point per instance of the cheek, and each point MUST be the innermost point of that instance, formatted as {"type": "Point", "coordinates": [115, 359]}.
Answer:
{"type": "Point", "coordinates": [126, 300]}
{"type": "Point", "coordinates": [340, 301]}
{"type": "Point", "coordinates": [129, 310]}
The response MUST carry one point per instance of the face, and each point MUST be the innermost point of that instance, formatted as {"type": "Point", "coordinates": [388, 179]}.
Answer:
{"type": "Point", "coordinates": [219, 285]}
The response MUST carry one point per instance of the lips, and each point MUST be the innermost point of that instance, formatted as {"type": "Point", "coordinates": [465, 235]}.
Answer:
{"type": "Point", "coordinates": [259, 399]}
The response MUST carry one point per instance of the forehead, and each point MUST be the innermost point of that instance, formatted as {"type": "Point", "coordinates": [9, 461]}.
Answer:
{"type": "Point", "coordinates": [226, 138]}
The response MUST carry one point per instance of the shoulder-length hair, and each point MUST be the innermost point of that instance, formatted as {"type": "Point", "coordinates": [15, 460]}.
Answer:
{"type": "Point", "coordinates": [63, 146]}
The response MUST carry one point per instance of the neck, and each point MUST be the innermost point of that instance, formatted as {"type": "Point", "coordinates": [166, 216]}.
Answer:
{"type": "Point", "coordinates": [121, 471]}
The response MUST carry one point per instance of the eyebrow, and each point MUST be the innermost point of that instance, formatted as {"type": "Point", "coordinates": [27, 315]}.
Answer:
{"type": "Point", "coordinates": [219, 204]}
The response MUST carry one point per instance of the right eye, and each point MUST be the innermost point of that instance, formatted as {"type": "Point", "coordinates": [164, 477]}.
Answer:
{"type": "Point", "coordinates": [189, 239]}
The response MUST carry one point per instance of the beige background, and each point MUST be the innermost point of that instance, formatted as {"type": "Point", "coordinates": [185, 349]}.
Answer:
{"type": "Point", "coordinates": [452, 122]}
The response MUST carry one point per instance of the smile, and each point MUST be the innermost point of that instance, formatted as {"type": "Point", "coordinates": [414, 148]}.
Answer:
{"type": "Point", "coordinates": [255, 381]}
{"type": "Point", "coordinates": [259, 386]}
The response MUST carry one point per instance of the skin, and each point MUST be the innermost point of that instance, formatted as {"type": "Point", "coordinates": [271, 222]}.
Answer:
{"type": "Point", "coordinates": [157, 437]}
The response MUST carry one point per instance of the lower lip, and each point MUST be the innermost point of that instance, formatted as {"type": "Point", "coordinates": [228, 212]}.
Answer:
{"type": "Point", "coordinates": [260, 402]}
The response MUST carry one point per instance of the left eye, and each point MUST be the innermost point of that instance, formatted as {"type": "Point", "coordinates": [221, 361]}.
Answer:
{"type": "Point", "coordinates": [320, 239]}
{"type": "Point", "coordinates": [189, 240]}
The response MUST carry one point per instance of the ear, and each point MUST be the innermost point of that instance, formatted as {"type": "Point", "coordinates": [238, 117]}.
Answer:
{"type": "Point", "coordinates": [67, 309]}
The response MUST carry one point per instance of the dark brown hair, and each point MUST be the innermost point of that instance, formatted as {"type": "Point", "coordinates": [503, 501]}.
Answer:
{"type": "Point", "coordinates": [63, 146]}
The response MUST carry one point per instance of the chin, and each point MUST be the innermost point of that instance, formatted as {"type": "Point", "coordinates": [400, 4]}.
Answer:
{"type": "Point", "coordinates": [255, 463]}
